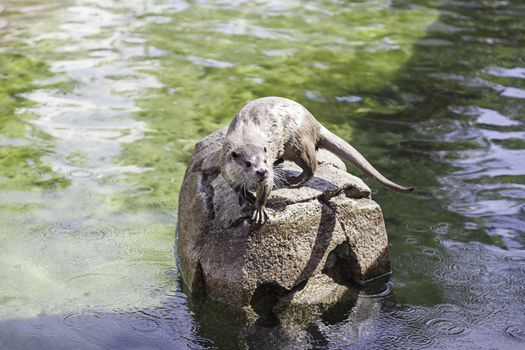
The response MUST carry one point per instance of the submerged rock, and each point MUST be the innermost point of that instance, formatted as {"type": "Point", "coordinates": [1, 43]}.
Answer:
{"type": "Point", "coordinates": [327, 233]}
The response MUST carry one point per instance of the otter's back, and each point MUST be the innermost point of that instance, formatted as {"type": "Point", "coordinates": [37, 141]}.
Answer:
{"type": "Point", "coordinates": [275, 120]}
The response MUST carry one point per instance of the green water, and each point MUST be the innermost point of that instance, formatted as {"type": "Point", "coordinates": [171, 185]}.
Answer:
{"type": "Point", "coordinates": [101, 103]}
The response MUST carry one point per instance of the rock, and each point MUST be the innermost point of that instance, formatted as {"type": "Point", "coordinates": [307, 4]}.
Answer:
{"type": "Point", "coordinates": [328, 228]}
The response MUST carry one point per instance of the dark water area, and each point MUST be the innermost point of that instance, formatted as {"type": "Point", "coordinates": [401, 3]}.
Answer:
{"type": "Point", "coordinates": [101, 103]}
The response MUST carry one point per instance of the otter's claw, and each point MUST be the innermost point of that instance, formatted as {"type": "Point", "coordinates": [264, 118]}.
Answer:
{"type": "Point", "coordinates": [259, 216]}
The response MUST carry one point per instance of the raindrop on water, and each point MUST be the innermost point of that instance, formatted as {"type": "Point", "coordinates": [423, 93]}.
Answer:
{"type": "Point", "coordinates": [447, 326]}
{"type": "Point", "coordinates": [81, 320]}
{"type": "Point", "coordinates": [418, 227]}
{"type": "Point", "coordinates": [143, 190]}
{"type": "Point", "coordinates": [419, 341]}
{"type": "Point", "coordinates": [80, 173]}
{"type": "Point", "coordinates": [142, 324]}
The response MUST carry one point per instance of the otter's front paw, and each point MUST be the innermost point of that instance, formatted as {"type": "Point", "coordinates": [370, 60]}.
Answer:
{"type": "Point", "coordinates": [259, 216]}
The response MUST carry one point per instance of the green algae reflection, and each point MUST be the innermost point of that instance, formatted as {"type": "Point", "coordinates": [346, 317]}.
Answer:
{"type": "Point", "coordinates": [215, 57]}
{"type": "Point", "coordinates": [20, 154]}
{"type": "Point", "coordinates": [65, 245]}
{"type": "Point", "coordinates": [92, 218]}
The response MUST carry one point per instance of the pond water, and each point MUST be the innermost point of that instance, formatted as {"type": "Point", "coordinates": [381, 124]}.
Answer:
{"type": "Point", "coordinates": [101, 103]}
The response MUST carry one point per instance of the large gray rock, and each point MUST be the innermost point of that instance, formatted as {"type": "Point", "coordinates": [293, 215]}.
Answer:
{"type": "Point", "coordinates": [330, 227]}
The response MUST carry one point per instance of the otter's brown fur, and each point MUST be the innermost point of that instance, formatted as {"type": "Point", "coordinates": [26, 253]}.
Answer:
{"type": "Point", "coordinates": [270, 130]}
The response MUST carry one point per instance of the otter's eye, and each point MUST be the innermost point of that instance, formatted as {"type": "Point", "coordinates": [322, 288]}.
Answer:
{"type": "Point", "coordinates": [248, 164]}
{"type": "Point", "coordinates": [265, 151]}
{"type": "Point", "coordinates": [234, 155]}
{"type": "Point", "coordinates": [266, 161]}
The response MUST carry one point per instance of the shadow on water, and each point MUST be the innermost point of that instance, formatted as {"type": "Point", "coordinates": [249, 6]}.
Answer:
{"type": "Point", "coordinates": [457, 243]}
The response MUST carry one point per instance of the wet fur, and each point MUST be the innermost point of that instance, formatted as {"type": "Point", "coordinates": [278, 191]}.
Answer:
{"type": "Point", "coordinates": [268, 131]}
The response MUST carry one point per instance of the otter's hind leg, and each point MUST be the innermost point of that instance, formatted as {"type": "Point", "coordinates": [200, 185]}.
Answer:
{"type": "Point", "coordinates": [307, 160]}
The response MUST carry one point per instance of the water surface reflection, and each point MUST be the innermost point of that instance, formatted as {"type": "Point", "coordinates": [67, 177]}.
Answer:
{"type": "Point", "coordinates": [101, 103]}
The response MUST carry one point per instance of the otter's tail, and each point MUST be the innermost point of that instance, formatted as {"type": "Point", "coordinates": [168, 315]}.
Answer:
{"type": "Point", "coordinates": [338, 146]}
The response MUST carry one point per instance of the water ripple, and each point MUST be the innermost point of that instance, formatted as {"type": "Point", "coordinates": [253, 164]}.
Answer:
{"type": "Point", "coordinates": [433, 254]}
{"type": "Point", "coordinates": [448, 326]}
{"type": "Point", "coordinates": [419, 341]}
{"type": "Point", "coordinates": [81, 320]}
{"type": "Point", "coordinates": [513, 92]}
{"type": "Point", "coordinates": [447, 308]}
{"type": "Point", "coordinates": [419, 227]}
{"type": "Point", "coordinates": [454, 272]}
{"type": "Point", "coordinates": [516, 332]}
{"type": "Point", "coordinates": [81, 173]}
{"type": "Point", "coordinates": [517, 72]}
{"type": "Point", "coordinates": [73, 229]}
{"type": "Point", "coordinates": [208, 62]}
{"type": "Point", "coordinates": [144, 323]}
{"type": "Point", "coordinates": [101, 51]}
{"type": "Point", "coordinates": [142, 190]}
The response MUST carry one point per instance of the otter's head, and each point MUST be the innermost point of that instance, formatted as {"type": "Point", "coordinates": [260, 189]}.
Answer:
{"type": "Point", "coordinates": [246, 165]}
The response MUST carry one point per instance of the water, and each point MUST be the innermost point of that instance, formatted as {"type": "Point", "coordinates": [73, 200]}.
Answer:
{"type": "Point", "coordinates": [101, 103]}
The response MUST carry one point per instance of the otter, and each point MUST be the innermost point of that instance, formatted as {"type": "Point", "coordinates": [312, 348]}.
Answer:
{"type": "Point", "coordinates": [270, 130]}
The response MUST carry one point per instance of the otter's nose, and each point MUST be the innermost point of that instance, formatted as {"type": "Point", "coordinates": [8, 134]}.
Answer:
{"type": "Point", "coordinates": [262, 173]}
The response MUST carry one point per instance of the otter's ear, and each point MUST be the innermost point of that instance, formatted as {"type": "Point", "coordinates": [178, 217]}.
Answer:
{"type": "Point", "coordinates": [234, 154]}
{"type": "Point", "coordinates": [265, 150]}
